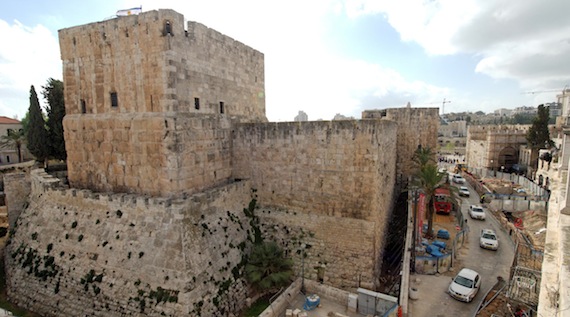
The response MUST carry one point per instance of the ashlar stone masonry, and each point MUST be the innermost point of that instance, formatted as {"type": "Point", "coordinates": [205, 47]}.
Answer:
{"type": "Point", "coordinates": [167, 144]}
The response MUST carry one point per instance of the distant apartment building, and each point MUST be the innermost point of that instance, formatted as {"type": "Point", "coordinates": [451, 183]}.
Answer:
{"type": "Point", "coordinates": [339, 116]}
{"type": "Point", "coordinates": [9, 155]}
{"type": "Point", "coordinates": [301, 117]}
{"type": "Point", "coordinates": [554, 109]}
{"type": "Point", "coordinates": [564, 102]}
{"type": "Point", "coordinates": [525, 110]}
{"type": "Point", "coordinates": [451, 129]}
{"type": "Point", "coordinates": [503, 112]}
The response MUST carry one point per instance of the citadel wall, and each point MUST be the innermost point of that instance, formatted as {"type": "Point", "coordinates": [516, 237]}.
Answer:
{"type": "Point", "coordinates": [323, 188]}
{"type": "Point", "coordinates": [154, 64]}
{"type": "Point", "coordinates": [76, 252]}
{"type": "Point", "coordinates": [79, 253]}
{"type": "Point", "coordinates": [342, 170]}
{"type": "Point", "coordinates": [132, 84]}
{"type": "Point", "coordinates": [17, 190]}
{"type": "Point", "coordinates": [492, 146]}
{"type": "Point", "coordinates": [157, 154]}
{"type": "Point", "coordinates": [416, 127]}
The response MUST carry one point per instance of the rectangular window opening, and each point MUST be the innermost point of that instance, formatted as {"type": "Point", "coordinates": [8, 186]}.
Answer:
{"type": "Point", "coordinates": [83, 106]}
{"type": "Point", "coordinates": [114, 100]}
{"type": "Point", "coordinates": [221, 107]}
{"type": "Point", "coordinates": [197, 103]}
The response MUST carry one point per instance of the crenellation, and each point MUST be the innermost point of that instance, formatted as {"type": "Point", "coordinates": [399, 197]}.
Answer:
{"type": "Point", "coordinates": [160, 177]}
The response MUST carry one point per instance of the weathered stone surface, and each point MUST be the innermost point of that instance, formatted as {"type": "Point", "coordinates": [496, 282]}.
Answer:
{"type": "Point", "coordinates": [154, 205]}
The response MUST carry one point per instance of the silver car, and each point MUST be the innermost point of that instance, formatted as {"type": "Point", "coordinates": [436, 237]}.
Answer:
{"type": "Point", "coordinates": [476, 212]}
{"type": "Point", "coordinates": [465, 285]}
{"type": "Point", "coordinates": [464, 191]}
{"type": "Point", "coordinates": [489, 240]}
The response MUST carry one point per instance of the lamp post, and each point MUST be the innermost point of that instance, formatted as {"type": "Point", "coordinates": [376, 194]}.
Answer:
{"type": "Point", "coordinates": [416, 235]}
{"type": "Point", "coordinates": [303, 246]}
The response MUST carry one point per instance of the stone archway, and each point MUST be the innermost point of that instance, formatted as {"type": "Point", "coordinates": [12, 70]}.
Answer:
{"type": "Point", "coordinates": [508, 157]}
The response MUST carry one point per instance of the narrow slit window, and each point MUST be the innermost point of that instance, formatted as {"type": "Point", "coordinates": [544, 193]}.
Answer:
{"type": "Point", "coordinates": [221, 107]}
{"type": "Point", "coordinates": [197, 103]}
{"type": "Point", "coordinates": [114, 100]}
{"type": "Point", "coordinates": [83, 106]}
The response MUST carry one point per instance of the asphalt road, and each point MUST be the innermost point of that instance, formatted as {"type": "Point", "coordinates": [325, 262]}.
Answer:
{"type": "Point", "coordinates": [433, 299]}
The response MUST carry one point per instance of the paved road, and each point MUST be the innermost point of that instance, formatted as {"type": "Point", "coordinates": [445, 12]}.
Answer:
{"type": "Point", "coordinates": [432, 289]}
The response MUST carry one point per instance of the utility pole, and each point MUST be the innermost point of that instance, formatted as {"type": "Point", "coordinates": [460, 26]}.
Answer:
{"type": "Point", "coordinates": [443, 105]}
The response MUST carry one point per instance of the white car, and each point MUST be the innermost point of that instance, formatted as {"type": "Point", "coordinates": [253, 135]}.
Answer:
{"type": "Point", "coordinates": [489, 240]}
{"type": "Point", "coordinates": [476, 212]}
{"type": "Point", "coordinates": [465, 285]}
{"type": "Point", "coordinates": [458, 179]}
{"type": "Point", "coordinates": [464, 191]}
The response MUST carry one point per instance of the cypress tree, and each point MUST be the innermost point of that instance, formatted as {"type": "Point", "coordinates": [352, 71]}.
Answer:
{"type": "Point", "coordinates": [53, 94]}
{"type": "Point", "coordinates": [37, 133]}
{"type": "Point", "coordinates": [538, 136]}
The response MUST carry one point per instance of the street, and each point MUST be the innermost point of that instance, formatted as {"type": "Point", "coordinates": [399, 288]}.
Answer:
{"type": "Point", "coordinates": [433, 299]}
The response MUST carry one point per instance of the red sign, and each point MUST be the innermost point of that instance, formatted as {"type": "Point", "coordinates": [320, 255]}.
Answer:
{"type": "Point", "coordinates": [421, 212]}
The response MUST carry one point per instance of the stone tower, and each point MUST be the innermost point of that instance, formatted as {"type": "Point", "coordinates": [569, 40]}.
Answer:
{"type": "Point", "coordinates": [150, 103]}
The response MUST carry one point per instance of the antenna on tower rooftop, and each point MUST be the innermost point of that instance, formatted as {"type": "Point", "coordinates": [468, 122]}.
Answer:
{"type": "Point", "coordinates": [443, 105]}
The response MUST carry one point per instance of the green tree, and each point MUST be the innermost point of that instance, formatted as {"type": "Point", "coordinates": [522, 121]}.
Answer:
{"type": "Point", "coordinates": [267, 268]}
{"type": "Point", "coordinates": [25, 122]}
{"type": "Point", "coordinates": [53, 94]}
{"type": "Point", "coordinates": [538, 136]}
{"type": "Point", "coordinates": [428, 180]}
{"type": "Point", "coordinates": [14, 140]}
{"type": "Point", "coordinates": [36, 136]}
{"type": "Point", "coordinates": [423, 156]}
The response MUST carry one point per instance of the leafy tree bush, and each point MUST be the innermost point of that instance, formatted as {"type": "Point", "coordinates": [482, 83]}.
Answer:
{"type": "Point", "coordinates": [267, 267]}
{"type": "Point", "coordinates": [37, 138]}
{"type": "Point", "coordinates": [53, 94]}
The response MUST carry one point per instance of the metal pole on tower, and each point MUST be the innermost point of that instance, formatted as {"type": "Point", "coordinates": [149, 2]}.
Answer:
{"type": "Point", "coordinates": [443, 105]}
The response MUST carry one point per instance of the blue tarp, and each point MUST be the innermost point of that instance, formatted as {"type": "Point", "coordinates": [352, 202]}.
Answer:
{"type": "Point", "coordinates": [439, 244]}
{"type": "Point", "coordinates": [433, 250]}
{"type": "Point", "coordinates": [443, 234]}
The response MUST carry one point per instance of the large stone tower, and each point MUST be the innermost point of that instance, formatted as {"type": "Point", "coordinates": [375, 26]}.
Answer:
{"type": "Point", "coordinates": [149, 103]}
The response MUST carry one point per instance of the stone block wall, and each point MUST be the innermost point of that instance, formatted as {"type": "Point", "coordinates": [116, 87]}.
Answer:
{"type": "Point", "coordinates": [496, 143]}
{"type": "Point", "coordinates": [416, 126]}
{"type": "Point", "coordinates": [336, 171]}
{"type": "Point", "coordinates": [345, 248]}
{"type": "Point", "coordinates": [154, 64]}
{"type": "Point", "coordinates": [333, 168]}
{"type": "Point", "coordinates": [77, 253]}
{"type": "Point", "coordinates": [147, 153]}
{"type": "Point", "coordinates": [17, 188]}
{"type": "Point", "coordinates": [163, 77]}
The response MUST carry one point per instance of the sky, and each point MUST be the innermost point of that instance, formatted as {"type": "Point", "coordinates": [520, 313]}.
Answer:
{"type": "Point", "coordinates": [328, 57]}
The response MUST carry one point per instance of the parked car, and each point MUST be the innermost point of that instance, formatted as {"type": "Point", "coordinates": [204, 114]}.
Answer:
{"type": "Point", "coordinates": [476, 212]}
{"type": "Point", "coordinates": [489, 240]}
{"type": "Point", "coordinates": [464, 191]}
{"type": "Point", "coordinates": [465, 285]}
{"type": "Point", "coordinates": [458, 179]}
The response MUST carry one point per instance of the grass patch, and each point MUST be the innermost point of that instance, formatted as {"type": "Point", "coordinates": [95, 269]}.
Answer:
{"type": "Point", "coordinates": [257, 308]}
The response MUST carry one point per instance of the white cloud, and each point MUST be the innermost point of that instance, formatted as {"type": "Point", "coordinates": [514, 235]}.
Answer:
{"type": "Point", "coordinates": [28, 56]}
{"type": "Point", "coordinates": [524, 40]}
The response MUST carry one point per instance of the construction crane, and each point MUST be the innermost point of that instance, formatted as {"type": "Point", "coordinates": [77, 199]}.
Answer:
{"type": "Point", "coordinates": [443, 105]}
{"type": "Point", "coordinates": [545, 91]}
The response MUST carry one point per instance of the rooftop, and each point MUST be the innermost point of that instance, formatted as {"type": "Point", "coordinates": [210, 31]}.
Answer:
{"type": "Point", "coordinates": [6, 120]}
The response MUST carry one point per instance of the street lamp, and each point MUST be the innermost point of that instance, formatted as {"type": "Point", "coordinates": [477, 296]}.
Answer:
{"type": "Point", "coordinates": [303, 247]}
{"type": "Point", "coordinates": [416, 235]}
